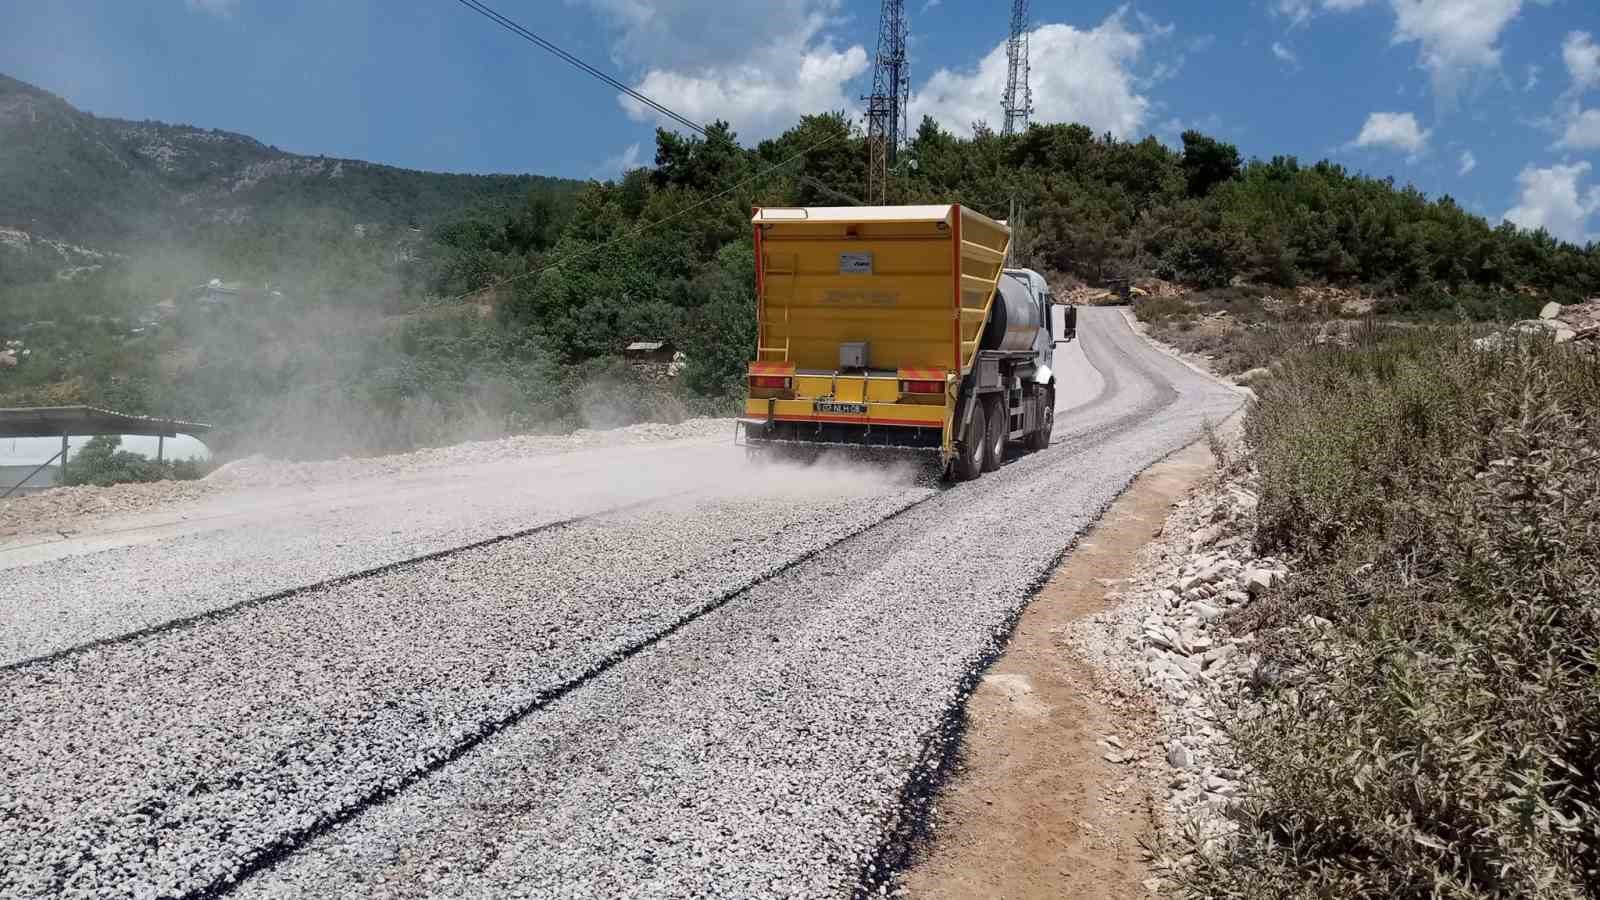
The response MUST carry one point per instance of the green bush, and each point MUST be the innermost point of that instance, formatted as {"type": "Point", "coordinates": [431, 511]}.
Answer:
{"type": "Point", "coordinates": [1162, 309]}
{"type": "Point", "coordinates": [1442, 500]}
{"type": "Point", "coordinates": [100, 463]}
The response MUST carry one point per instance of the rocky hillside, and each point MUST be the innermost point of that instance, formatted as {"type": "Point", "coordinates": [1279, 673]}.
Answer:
{"type": "Point", "coordinates": [67, 175]}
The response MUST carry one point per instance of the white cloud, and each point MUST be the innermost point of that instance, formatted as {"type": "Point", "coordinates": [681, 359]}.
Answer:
{"type": "Point", "coordinates": [1468, 163]}
{"type": "Point", "coordinates": [1398, 131]}
{"type": "Point", "coordinates": [1582, 56]}
{"type": "Point", "coordinates": [1555, 200]}
{"type": "Point", "coordinates": [1583, 131]}
{"type": "Point", "coordinates": [1078, 76]}
{"type": "Point", "coordinates": [1296, 11]}
{"type": "Point", "coordinates": [1284, 54]}
{"type": "Point", "coordinates": [758, 101]}
{"type": "Point", "coordinates": [698, 57]}
{"type": "Point", "coordinates": [930, 4]}
{"type": "Point", "coordinates": [222, 8]}
{"type": "Point", "coordinates": [1532, 80]}
{"type": "Point", "coordinates": [1457, 37]}
{"type": "Point", "coordinates": [1299, 11]}
{"type": "Point", "coordinates": [618, 165]}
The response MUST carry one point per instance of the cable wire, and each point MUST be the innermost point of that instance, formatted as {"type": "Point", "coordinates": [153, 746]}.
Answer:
{"type": "Point", "coordinates": [524, 33]}
{"type": "Point", "coordinates": [528, 35]}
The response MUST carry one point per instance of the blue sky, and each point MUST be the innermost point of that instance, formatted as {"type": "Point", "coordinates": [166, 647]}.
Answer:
{"type": "Point", "coordinates": [1495, 102]}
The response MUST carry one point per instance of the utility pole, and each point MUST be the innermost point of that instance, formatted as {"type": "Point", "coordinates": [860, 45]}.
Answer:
{"type": "Point", "coordinates": [887, 105]}
{"type": "Point", "coordinates": [1018, 100]}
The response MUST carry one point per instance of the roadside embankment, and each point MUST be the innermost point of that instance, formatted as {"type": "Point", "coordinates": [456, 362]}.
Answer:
{"type": "Point", "coordinates": [1417, 716]}
{"type": "Point", "coordinates": [1359, 660]}
{"type": "Point", "coordinates": [1056, 786]}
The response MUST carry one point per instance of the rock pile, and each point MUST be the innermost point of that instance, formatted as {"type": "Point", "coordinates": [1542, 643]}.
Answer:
{"type": "Point", "coordinates": [1165, 637]}
{"type": "Point", "coordinates": [62, 510]}
{"type": "Point", "coordinates": [1579, 322]}
{"type": "Point", "coordinates": [1194, 668]}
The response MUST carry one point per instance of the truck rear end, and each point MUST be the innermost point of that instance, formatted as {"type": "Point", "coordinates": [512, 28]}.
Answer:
{"type": "Point", "coordinates": [870, 323]}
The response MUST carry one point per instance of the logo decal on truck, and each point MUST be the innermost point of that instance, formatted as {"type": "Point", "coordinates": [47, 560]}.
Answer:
{"type": "Point", "coordinates": [855, 264]}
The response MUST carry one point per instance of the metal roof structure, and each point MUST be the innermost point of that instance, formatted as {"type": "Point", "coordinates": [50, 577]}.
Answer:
{"type": "Point", "coordinates": [56, 421]}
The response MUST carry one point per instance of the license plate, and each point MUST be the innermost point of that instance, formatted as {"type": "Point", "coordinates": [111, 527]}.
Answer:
{"type": "Point", "coordinates": [829, 406]}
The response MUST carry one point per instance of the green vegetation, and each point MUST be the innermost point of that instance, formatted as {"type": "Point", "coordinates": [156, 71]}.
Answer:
{"type": "Point", "coordinates": [1441, 500]}
{"type": "Point", "coordinates": [414, 308]}
{"type": "Point", "coordinates": [100, 463]}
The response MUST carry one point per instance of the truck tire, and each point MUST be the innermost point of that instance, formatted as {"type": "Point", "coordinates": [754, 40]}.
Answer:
{"type": "Point", "coordinates": [1040, 438]}
{"type": "Point", "coordinates": [969, 462]}
{"type": "Point", "coordinates": [999, 430]}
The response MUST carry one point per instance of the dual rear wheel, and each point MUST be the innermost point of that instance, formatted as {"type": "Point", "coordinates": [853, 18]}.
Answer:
{"type": "Point", "coordinates": [998, 420]}
{"type": "Point", "coordinates": [988, 435]}
{"type": "Point", "coordinates": [973, 458]}
{"type": "Point", "coordinates": [1040, 438]}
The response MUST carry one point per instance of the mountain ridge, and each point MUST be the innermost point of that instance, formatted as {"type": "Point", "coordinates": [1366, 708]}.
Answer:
{"type": "Point", "coordinates": [69, 175]}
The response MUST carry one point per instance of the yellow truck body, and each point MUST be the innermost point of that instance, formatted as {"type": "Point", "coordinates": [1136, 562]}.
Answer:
{"type": "Point", "coordinates": [868, 320]}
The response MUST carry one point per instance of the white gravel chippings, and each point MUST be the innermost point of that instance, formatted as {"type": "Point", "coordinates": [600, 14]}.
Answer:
{"type": "Point", "coordinates": [728, 695]}
{"type": "Point", "coordinates": [181, 754]}
{"type": "Point", "coordinates": [230, 550]}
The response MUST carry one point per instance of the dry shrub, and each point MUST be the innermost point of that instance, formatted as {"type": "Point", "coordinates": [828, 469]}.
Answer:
{"type": "Point", "coordinates": [1445, 504]}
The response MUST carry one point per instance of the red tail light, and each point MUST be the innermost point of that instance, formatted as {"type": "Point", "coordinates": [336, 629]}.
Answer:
{"type": "Point", "coordinates": [922, 387]}
{"type": "Point", "coordinates": [777, 382]}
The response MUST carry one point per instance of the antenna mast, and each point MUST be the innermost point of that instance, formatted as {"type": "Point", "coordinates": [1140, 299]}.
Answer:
{"type": "Point", "coordinates": [886, 107]}
{"type": "Point", "coordinates": [1018, 101]}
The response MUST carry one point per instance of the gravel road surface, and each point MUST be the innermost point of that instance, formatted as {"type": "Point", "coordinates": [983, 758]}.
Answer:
{"type": "Point", "coordinates": [740, 687]}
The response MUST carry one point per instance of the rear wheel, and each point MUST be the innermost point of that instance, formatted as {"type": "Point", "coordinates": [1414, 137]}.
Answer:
{"type": "Point", "coordinates": [1040, 438]}
{"type": "Point", "coordinates": [999, 430]}
{"type": "Point", "coordinates": [969, 463]}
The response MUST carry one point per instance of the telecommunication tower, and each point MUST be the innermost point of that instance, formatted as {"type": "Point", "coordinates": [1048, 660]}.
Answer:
{"type": "Point", "coordinates": [1018, 101]}
{"type": "Point", "coordinates": [886, 107]}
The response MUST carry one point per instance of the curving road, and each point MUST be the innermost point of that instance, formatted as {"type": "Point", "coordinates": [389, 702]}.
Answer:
{"type": "Point", "coordinates": [641, 672]}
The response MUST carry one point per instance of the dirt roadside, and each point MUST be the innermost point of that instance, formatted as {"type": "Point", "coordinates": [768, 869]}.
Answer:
{"type": "Point", "coordinates": [1053, 791]}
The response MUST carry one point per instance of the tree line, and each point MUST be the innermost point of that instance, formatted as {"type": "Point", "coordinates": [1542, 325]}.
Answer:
{"type": "Point", "coordinates": [505, 314]}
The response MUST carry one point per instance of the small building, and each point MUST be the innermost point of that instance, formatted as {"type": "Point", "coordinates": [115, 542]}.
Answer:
{"type": "Point", "coordinates": [219, 293]}
{"type": "Point", "coordinates": [650, 352]}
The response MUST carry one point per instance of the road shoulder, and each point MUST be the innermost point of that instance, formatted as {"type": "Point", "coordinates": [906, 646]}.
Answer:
{"type": "Point", "coordinates": [1055, 787]}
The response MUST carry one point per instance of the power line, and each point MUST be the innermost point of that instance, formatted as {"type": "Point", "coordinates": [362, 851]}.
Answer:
{"type": "Point", "coordinates": [527, 35]}
{"type": "Point", "coordinates": [488, 13]}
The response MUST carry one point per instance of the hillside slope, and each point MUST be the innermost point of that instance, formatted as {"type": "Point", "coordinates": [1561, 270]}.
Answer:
{"type": "Point", "coordinates": [69, 175]}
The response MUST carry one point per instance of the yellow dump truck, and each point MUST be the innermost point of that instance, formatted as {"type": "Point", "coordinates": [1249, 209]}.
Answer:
{"type": "Point", "coordinates": [898, 327]}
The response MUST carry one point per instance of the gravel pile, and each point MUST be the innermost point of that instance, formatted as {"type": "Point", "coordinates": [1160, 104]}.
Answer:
{"type": "Point", "coordinates": [63, 509]}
